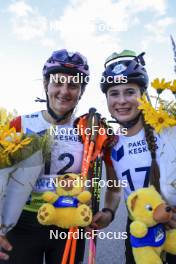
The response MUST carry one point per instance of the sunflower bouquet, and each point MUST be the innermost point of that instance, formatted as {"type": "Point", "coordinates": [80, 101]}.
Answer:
{"type": "Point", "coordinates": [163, 115]}
{"type": "Point", "coordinates": [21, 161]}
{"type": "Point", "coordinates": [162, 118]}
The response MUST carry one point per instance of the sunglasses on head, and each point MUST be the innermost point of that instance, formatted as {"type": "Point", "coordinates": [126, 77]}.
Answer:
{"type": "Point", "coordinates": [63, 56]}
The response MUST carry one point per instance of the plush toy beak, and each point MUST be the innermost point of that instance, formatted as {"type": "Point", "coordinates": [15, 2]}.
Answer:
{"type": "Point", "coordinates": [162, 213]}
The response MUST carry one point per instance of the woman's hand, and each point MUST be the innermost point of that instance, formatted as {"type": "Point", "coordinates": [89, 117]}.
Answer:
{"type": "Point", "coordinates": [172, 222]}
{"type": "Point", "coordinates": [100, 220]}
{"type": "Point", "coordinates": [5, 245]}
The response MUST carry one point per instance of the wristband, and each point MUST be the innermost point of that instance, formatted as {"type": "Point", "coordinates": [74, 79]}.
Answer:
{"type": "Point", "coordinates": [109, 210]}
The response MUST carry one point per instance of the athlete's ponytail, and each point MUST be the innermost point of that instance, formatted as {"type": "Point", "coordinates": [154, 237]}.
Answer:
{"type": "Point", "coordinates": [154, 170]}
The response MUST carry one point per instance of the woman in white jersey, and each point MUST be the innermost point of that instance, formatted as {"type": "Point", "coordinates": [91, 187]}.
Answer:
{"type": "Point", "coordinates": [30, 240]}
{"type": "Point", "coordinates": [135, 156]}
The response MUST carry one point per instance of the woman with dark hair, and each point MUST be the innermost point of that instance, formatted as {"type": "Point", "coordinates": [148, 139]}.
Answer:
{"type": "Point", "coordinates": [136, 155]}
{"type": "Point", "coordinates": [65, 76]}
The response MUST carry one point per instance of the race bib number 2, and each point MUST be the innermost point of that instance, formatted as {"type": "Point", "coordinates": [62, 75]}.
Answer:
{"type": "Point", "coordinates": [68, 165]}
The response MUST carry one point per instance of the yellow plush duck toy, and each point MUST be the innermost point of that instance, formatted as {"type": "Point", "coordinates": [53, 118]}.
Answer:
{"type": "Point", "coordinates": [148, 234]}
{"type": "Point", "coordinates": [67, 207]}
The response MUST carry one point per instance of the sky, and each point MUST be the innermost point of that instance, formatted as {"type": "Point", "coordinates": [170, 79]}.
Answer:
{"type": "Point", "coordinates": [31, 29]}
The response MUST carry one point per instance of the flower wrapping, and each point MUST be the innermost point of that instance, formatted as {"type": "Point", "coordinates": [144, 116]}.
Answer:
{"type": "Point", "coordinates": [21, 161]}
{"type": "Point", "coordinates": [168, 165]}
{"type": "Point", "coordinates": [4, 179]}
{"type": "Point", "coordinates": [18, 189]}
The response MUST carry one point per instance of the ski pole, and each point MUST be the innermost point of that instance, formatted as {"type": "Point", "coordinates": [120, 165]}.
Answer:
{"type": "Point", "coordinates": [71, 243]}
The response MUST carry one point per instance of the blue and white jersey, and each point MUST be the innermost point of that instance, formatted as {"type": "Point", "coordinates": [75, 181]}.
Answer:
{"type": "Point", "coordinates": [66, 150]}
{"type": "Point", "coordinates": [132, 160]}
{"type": "Point", "coordinates": [66, 153]}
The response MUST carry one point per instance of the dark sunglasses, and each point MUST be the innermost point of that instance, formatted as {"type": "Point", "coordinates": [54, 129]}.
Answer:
{"type": "Point", "coordinates": [64, 57]}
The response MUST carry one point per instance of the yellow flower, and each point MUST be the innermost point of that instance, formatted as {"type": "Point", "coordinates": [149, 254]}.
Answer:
{"type": "Point", "coordinates": [158, 119]}
{"type": "Point", "coordinates": [15, 146]}
{"type": "Point", "coordinates": [161, 120]}
{"type": "Point", "coordinates": [145, 106]}
{"type": "Point", "coordinates": [159, 86]}
{"type": "Point", "coordinates": [173, 87]}
{"type": "Point", "coordinates": [5, 134]}
{"type": "Point", "coordinates": [16, 142]}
